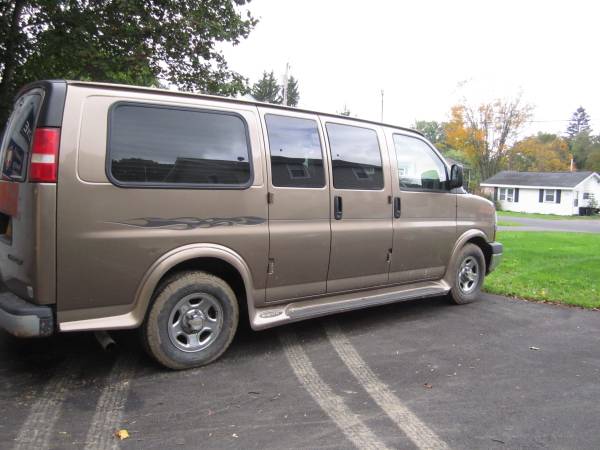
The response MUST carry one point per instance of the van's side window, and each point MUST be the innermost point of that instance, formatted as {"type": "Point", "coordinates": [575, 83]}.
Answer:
{"type": "Point", "coordinates": [156, 145]}
{"type": "Point", "coordinates": [356, 158]}
{"type": "Point", "coordinates": [296, 156]}
{"type": "Point", "coordinates": [418, 166]}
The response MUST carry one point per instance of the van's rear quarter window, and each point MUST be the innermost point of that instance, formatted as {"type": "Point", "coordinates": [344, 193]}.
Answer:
{"type": "Point", "coordinates": [158, 146]}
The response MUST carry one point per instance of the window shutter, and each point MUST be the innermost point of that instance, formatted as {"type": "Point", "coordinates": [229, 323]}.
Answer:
{"type": "Point", "coordinates": [541, 196]}
{"type": "Point", "coordinates": [558, 191]}
{"type": "Point", "coordinates": [516, 195]}
{"type": "Point", "coordinates": [495, 194]}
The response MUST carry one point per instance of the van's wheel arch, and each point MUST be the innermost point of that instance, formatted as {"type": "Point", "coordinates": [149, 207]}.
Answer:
{"type": "Point", "coordinates": [192, 320]}
{"type": "Point", "coordinates": [468, 274]}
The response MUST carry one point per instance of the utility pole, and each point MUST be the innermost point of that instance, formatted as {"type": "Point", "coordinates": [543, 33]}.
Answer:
{"type": "Point", "coordinates": [285, 84]}
{"type": "Point", "coordinates": [382, 105]}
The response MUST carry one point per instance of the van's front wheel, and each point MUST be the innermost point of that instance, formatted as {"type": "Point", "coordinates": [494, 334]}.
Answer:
{"type": "Point", "coordinates": [192, 321]}
{"type": "Point", "coordinates": [469, 273]}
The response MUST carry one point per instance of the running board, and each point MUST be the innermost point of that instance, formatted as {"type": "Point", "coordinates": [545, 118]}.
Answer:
{"type": "Point", "coordinates": [271, 316]}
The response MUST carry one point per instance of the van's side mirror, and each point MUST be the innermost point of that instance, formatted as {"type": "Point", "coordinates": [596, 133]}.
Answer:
{"type": "Point", "coordinates": [456, 176]}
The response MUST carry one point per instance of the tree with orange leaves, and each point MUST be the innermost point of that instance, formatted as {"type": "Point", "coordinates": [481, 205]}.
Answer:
{"type": "Point", "coordinates": [485, 133]}
{"type": "Point", "coordinates": [541, 153]}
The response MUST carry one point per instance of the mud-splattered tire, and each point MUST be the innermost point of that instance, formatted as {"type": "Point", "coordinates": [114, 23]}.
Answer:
{"type": "Point", "coordinates": [469, 273]}
{"type": "Point", "coordinates": [192, 320]}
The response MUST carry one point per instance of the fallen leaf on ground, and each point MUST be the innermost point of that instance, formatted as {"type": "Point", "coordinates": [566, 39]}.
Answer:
{"type": "Point", "coordinates": [122, 434]}
{"type": "Point", "coordinates": [427, 386]}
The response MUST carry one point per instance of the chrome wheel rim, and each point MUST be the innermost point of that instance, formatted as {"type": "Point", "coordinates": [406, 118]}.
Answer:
{"type": "Point", "coordinates": [468, 275]}
{"type": "Point", "coordinates": [195, 322]}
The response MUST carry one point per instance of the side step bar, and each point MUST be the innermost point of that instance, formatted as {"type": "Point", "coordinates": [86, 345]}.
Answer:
{"type": "Point", "coordinates": [271, 316]}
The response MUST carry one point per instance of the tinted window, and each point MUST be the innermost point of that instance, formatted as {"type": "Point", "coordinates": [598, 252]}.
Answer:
{"type": "Point", "coordinates": [296, 157]}
{"type": "Point", "coordinates": [19, 133]}
{"type": "Point", "coordinates": [165, 146]}
{"type": "Point", "coordinates": [356, 158]}
{"type": "Point", "coordinates": [418, 166]}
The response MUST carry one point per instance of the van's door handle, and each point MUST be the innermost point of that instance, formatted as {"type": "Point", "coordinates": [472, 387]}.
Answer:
{"type": "Point", "coordinates": [337, 207]}
{"type": "Point", "coordinates": [397, 207]}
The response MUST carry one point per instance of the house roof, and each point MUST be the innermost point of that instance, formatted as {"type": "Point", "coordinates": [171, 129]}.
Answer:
{"type": "Point", "coordinates": [554, 179]}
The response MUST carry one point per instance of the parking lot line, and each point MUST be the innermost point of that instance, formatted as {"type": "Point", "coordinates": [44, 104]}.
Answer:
{"type": "Point", "coordinates": [109, 408]}
{"type": "Point", "coordinates": [333, 405]}
{"type": "Point", "coordinates": [37, 430]}
{"type": "Point", "coordinates": [421, 435]}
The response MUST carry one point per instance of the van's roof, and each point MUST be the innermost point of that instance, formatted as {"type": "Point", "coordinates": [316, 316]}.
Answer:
{"type": "Point", "coordinates": [227, 99]}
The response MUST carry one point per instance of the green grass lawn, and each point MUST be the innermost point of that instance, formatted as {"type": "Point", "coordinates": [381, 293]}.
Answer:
{"type": "Point", "coordinates": [545, 216]}
{"type": "Point", "coordinates": [550, 266]}
{"type": "Point", "coordinates": [507, 223]}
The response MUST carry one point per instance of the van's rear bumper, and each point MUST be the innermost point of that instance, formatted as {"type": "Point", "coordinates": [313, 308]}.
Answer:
{"type": "Point", "coordinates": [23, 319]}
{"type": "Point", "coordinates": [496, 257]}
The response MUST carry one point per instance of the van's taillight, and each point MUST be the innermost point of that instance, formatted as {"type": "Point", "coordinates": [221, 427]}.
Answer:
{"type": "Point", "coordinates": [44, 155]}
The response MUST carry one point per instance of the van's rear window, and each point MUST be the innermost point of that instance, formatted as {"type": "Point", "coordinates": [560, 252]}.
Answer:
{"type": "Point", "coordinates": [18, 136]}
{"type": "Point", "coordinates": [161, 146]}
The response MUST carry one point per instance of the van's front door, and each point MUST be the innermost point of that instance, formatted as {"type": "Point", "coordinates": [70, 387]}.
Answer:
{"type": "Point", "coordinates": [299, 230]}
{"type": "Point", "coordinates": [424, 210]}
{"type": "Point", "coordinates": [361, 221]}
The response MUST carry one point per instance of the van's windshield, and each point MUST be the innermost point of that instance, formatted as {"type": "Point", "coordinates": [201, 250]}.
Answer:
{"type": "Point", "coordinates": [16, 142]}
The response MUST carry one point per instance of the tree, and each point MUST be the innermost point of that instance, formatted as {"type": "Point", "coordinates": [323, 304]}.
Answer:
{"type": "Point", "coordinates": [127, 42]}
{"type": "Point", "coordinates": [582, 145]}
{"type": "Point", "coordinates": [485, 133]}
{"type": "Point", "coordinates": [593, 160]}
{"type": "Point", "coordinates": [266, 89]}
{"type": "Point", "coordinates": [579, 123]}
{"type": "Point", "coordinates": [293, 93]}
{"type": "Point", "coordinates": [541, 153]}
{"type": "Point", "coordinates": [432, 130]}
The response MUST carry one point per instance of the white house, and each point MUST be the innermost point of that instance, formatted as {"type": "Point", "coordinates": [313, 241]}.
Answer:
{"type": "Point", "coordinates": [560, 193]}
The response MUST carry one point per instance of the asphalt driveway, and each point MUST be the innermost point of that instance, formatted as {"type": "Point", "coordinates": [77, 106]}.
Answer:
{"type": "Point", "coordinates": [496, 374]}
{"type": "Point", "coordinates": [527, 224]}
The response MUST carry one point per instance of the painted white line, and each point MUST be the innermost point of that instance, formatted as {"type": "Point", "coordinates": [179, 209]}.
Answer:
{"type": "Point", "coordinates": [109, 408]}
{"type": "Point", "coordinates": [421, 435]}
{"type": "Point", "coordinates": [37, 430]}
{"type": "Point", "coordinates": [333, 405]}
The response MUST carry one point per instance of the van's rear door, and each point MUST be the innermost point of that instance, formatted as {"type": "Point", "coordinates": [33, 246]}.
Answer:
{"type": "Point", "coordinates": [28, 209]}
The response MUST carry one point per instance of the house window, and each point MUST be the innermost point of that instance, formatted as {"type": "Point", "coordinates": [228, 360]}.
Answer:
{"type": "Point", "coordinates": [586, 195]}
{"type": "Point", "coordinates": [507, 194]}
{"type": "Point", "coordinates": [549, 195]}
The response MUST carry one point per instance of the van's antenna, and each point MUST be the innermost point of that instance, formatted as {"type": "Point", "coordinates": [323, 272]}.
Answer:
{"type": "Point", "coordinates": [382, 105]}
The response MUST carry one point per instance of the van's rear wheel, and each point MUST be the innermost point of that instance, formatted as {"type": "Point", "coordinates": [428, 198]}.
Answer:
{"type": "Point", "coordinates": [468, 276]}
{"type": "Point", "coordinates": [192, 321]}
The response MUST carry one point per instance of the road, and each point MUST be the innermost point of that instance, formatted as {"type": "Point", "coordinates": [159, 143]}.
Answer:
{"type": "Point", "coordinates": [573, 225]}
{"type": "Point", "coordinates": [495, 374]}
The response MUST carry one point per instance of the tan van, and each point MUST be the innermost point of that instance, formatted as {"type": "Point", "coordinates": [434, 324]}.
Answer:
{"type": "Point", "coordinates": [125, 207]}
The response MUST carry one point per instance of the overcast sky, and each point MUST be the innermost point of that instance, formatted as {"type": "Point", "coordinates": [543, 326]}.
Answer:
{"type": "Point", "coordinates": [428, 55]}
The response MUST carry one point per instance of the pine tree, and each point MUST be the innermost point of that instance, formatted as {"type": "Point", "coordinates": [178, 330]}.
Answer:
{"type": "Point", "coordinates": [580, 122]}
{"type": "Point", "coordinates": [293, 93]}
{"type": "Point", "coordinates": [266, 89]}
